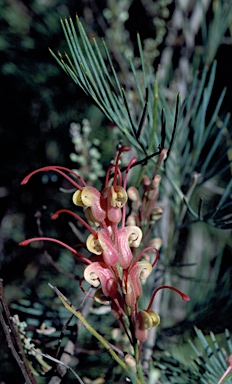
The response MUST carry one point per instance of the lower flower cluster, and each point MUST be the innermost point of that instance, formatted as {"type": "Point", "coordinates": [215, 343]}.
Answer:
{"type": "Point", "coordinates": [113, 267]}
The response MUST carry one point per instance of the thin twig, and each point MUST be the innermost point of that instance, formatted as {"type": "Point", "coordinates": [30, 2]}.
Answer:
{"type": "Point", "coordinates": [58, 362]}
{"type": "Point", "coordinates": [48, 259]}
{"type": "Point", "coordinates": [13, 339]}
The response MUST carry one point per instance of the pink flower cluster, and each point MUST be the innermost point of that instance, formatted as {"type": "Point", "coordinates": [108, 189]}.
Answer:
{"type": "Point", "coordinates": [113, 267]}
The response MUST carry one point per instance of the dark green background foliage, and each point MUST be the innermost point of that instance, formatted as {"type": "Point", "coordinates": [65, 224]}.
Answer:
{"type": "Point", "coordinates": [37, 104]}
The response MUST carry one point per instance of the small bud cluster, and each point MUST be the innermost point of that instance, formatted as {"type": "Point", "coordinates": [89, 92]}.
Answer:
{"type": "Point", "coordinates": [87, 155]}
{"type": "Point", "coordinates": [145, 208]}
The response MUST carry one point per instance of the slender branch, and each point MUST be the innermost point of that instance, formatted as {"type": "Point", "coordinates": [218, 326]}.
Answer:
{"type": "Point", "coordinates": [58, 362]}
{"type": "Point", "coordinates": [49, 260]}
{"type": "Point", "coordinates": [13, 339]}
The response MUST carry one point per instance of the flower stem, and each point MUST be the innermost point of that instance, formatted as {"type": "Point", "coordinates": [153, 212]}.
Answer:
{"type": "Point", "coordinates": [100, 338]}
{"type": "Point", "coordinates": [138, 366]}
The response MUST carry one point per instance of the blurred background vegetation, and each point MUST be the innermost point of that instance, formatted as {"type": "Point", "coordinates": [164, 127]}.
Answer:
{"type": "Point", "coordinates": [38, 104]}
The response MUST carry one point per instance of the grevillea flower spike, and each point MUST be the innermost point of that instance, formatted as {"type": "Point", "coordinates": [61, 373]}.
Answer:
{"type": "Point", "coordinates": [113, 267]}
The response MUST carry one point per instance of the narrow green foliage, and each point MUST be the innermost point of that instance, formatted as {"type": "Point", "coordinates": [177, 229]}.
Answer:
{"type": "Point", "coordinates": [96, 75]}
{"type": "Point", "coordinates": [212, 363]}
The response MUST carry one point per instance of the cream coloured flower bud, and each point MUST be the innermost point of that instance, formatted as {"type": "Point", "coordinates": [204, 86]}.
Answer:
{"type": "Point", "coordinates": [146, 181]}
{"type": "Point", "coordinates": [145, 321]}
{"type": "Point", "coordinates": [135, 236]}
{"type": "Point", "coordinates": [156, 182]}
{"type": "Point", "coordinates": [155, 318]}
{"type": "Point", "coordinates": [93, 245]}
{"type": "Point", "coordinates": [131, 220]}
{"type": "Point", "coordinates": [145, 269]}
{"type": "Point", "coordinates": [116, 334]}
{"type": "Point", "coordinates": [156, 243]}
{"type": "Point", "coordinates": [164, 154]}
{"type": "Point", "coordinates": [133, 194]}
{"type": "Point", "coordinates": [77, 199]}
{"type": "Point", "coordinates": [153, 189]}
{"type": "Point", "coordinates": [97, 273]}
{"type": "Point", "coordinates": [88, 195]}
{"type": "Point", "coordinates": [91, 197]}
{"type": "Point", "coordinates": [130, 361]}
{"type": "Point", "coordinates": [119, 197]}
{"type": "Point", "coordinates": [156, 213]}
{"type": "Point", "coordinates": [114, 212]}
{"type": "Point", "coordinates": [91, 276]}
